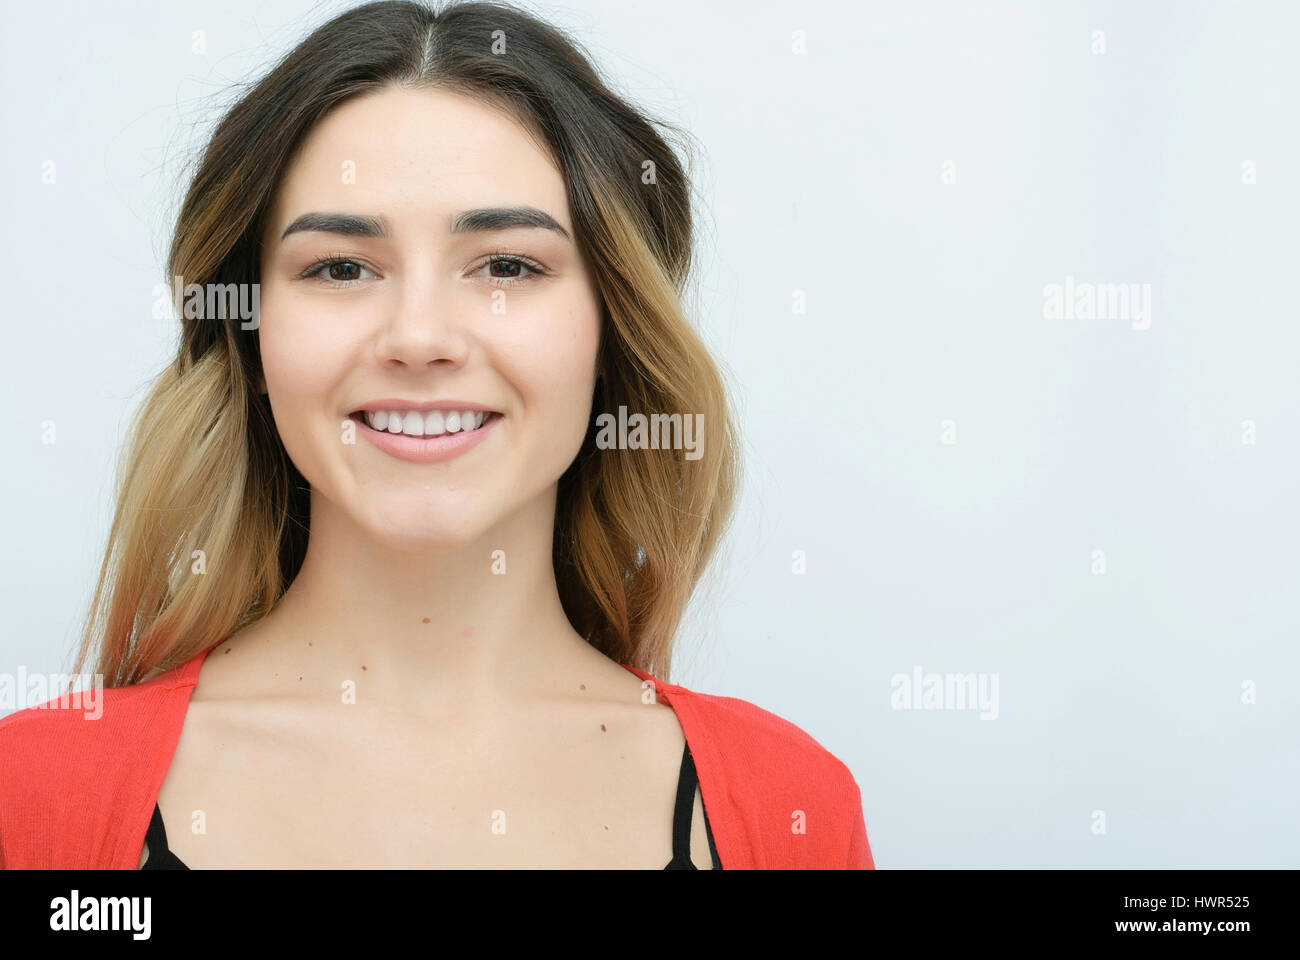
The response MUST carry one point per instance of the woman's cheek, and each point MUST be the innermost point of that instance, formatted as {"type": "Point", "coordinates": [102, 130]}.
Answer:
{"type": "Point", "coordinates": [558, 373]}
{"type": "Point", "coordinates": [292, 421]}
{"type": "Point", "coordinates": [306, 342]}
{"type": "Point", "coordinates": [297, 367]}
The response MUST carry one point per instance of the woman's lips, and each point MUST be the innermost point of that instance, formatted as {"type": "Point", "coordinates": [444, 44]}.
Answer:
{"type": "Point", "coordinates": [426, 449]}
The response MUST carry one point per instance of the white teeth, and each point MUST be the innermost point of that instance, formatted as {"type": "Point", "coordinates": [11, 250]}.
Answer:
{"type": "Point", "coordinates": [433, 424]}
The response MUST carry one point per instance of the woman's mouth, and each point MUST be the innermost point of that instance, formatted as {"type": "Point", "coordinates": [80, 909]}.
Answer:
{"type": "Point", "coordinates": [435, 423]}
{"type": "Point", "coordinates": [429, 437]}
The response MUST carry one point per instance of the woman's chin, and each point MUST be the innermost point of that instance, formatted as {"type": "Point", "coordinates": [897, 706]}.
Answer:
{"type": "Point", "coordinates": [425, 535]}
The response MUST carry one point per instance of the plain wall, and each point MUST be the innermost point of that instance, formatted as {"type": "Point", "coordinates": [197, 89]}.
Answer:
{"type": "Point", "coordinates": [880, 217]}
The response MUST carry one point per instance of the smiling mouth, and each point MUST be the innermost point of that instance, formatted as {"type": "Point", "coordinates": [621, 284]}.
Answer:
{"type": "Point", "coordinates": [435, 423]}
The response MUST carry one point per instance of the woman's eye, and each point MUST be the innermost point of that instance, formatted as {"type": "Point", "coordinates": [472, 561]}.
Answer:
{"type": "Point", "coordinates": [505, 271]}
{"type": "Point", "coordinates": [339, 272]}
{"type": "Point", "coordinates": [501, 270]}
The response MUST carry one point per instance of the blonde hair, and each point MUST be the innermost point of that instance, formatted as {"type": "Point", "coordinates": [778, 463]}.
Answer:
{"type": "Point", "coordinates": [205, 469]}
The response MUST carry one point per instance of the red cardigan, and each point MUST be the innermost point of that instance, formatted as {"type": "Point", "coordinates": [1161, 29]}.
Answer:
{"type": "Point", "coordinates": [79, 795]}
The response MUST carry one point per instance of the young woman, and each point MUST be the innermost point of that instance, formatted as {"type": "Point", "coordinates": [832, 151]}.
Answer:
{"type": "Point", "coordinates": [375, 595]}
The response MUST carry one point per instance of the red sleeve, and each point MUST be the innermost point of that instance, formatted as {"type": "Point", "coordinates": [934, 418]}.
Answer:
{"type": "Point", "coordinates": [859, 848]}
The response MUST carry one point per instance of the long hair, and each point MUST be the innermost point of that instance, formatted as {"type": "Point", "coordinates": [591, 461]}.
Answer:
{"type": "Point", "coordinates": [205, 468]}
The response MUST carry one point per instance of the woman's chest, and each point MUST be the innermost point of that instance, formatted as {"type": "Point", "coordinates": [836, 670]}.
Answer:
{"type": "Point", "coordinates": [271, 788]}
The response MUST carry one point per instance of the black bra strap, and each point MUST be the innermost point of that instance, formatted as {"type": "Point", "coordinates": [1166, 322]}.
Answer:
{"type": "Point", "coordinates": [156, 836]}
{"type": "Point", "coordinates": [686, 784]}
{"type": "Point", "coordinates": [713, 850]}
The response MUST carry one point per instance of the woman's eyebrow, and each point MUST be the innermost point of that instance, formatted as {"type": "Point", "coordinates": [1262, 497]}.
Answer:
{"type": "Point", "coordinates": [471, 221]}
{"type": "Point", "coordinates": [503, 218]}
{"type": "Point", "coordinates": [347, 224]}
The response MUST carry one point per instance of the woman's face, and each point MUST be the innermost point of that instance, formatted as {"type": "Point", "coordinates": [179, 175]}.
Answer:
{"type": "Point", "coordinates": [427, 308]}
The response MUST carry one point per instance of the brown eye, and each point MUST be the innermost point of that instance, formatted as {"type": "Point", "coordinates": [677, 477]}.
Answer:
{"type": "Point", "coordinates": [336, 271]}
{"type": "Point", "coordinates": [506, 270]}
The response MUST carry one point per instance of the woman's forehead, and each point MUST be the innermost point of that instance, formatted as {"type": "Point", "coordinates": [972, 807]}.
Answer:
{"type": "Point", "coordinates": [423, 152]}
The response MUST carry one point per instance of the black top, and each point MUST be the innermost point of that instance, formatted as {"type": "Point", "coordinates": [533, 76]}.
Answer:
{"type": "Point", "coordinates": [161, 858]}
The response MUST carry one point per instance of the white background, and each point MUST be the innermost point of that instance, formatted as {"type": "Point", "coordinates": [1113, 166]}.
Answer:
{"type": "Point", "coordinates": [822, 173]}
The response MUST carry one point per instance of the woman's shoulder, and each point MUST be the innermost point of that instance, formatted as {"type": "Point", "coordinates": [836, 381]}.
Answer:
{"type": "Point", "coordinates": [790, 801]}
{"type": "Point", "coordinates": [94, 717]}
{"type": "Point", "coordinates": [768, 741]}
{"type": "Point", "coordinates": [81, 763]}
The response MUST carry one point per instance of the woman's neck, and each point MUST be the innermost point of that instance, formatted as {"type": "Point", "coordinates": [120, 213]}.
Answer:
{"type": "Point", "coordinates": [466, 623]}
